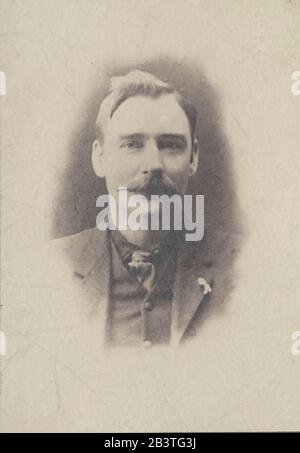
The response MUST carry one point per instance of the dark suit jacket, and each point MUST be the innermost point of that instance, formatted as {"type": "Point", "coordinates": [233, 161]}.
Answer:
{"type": "Point", "coordinates": [86, 276]}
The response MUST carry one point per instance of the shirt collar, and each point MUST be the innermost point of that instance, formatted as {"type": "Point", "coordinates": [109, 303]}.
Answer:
{"type": "Point", "coordinates": [162, 249]}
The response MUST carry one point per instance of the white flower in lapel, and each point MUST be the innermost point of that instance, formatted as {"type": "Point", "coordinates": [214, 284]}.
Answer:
{"type": "Point", "coordinates": [206, 286]}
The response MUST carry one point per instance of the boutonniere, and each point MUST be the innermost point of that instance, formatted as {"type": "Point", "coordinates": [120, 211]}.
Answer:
{"type": "Point", "coordinates": [205, 285]}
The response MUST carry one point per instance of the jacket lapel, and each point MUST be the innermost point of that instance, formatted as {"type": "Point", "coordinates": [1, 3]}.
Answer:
{"type": "Point", "coordinates": [93, 268]}
{"type": "Point", "coordinates": [93, 271]}
{"type": "Point", "coordinates": [189, 291]}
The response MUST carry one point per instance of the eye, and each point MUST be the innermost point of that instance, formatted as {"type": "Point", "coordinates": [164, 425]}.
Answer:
{"type": "Point", "coordinates": [132, 144]}
{"type": "Point", "coordinates": [171, 145]}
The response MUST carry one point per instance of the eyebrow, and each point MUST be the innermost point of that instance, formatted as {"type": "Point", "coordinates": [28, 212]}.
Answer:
{"type": "Point", "coordinates": [131, 136]}
{"type": "Point", "coordinates": [178, 137]}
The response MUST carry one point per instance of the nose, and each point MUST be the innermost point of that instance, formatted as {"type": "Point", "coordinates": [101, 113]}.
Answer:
{"type": "Point", "coordinates": [152, 158]}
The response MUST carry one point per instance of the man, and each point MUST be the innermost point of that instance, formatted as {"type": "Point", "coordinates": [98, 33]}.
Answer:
{"type": "Point", "coordinates": [141, 287]}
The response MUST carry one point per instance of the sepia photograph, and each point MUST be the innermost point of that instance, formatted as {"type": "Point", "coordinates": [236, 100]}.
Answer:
{"type": "Point", "coordinates": [149, 218]}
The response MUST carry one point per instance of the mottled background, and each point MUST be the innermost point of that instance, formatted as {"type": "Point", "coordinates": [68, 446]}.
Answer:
{"type": "Point", "coordinates": [235, 60]}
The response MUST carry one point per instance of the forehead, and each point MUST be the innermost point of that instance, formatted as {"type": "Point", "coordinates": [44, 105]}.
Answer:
{"type": "Point", "coordinates": [147, 115]}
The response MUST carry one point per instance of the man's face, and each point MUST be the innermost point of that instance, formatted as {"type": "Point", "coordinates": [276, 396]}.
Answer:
{"type": "Point", "coordinates": [146, 136]}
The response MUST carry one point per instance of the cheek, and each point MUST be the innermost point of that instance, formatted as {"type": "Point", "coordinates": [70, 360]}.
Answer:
{"type": "Point", "coordinates": [177, 166]}
{"type": "Point", "coordinates": [119, 169]}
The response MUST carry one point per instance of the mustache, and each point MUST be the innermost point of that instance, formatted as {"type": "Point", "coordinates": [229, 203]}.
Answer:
{"type": "Point", "coordinates": [152, 183]}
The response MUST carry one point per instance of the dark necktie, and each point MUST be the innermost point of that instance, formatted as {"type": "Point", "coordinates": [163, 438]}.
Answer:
{"type": "Point", "coordinates": [142, 265]}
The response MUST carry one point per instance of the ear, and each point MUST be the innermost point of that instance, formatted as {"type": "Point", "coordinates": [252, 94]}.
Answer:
{"type": "Point", "coordinates": [194, 158]}
{"type": "Point", "coordinates": [97, 159]}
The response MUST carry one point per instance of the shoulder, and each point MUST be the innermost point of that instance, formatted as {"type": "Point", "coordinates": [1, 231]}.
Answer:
{"type": "Point", "coordinates": [76, 245]}
{"type": "Point", "coordinates": [78, 240]}
{"type": "Point", "coordinates": [79, 252]}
